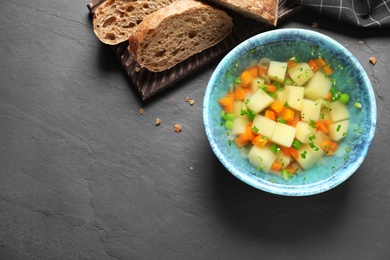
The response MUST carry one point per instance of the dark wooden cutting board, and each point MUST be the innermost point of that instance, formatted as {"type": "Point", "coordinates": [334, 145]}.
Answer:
{"type": "Point", "coordinates": [148, 83]}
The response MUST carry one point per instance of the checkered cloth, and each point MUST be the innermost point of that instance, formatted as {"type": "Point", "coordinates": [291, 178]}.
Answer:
{"type": "Point", "coordinates": [361, 13]}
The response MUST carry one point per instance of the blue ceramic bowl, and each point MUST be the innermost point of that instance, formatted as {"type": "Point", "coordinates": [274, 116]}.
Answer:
{"type": "Point", "coordinates": [350, 77]}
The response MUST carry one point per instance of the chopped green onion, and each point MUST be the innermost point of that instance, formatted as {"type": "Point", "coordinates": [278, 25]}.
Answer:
{"type": "Point", "coordinates": [296, 144]}
{"type": "Point", "coordinates": [312, 123]}
{"type": "Point", "coordinates": [251, 114]}
{"type": "Point", "coordinates": [277, 85]}
{"type": "Point", "coordinates": [275, 148]}
{"type": "Point", "coordinates": [281, 120]}
{"type": "Point", "coordinates": [336, 96]}
{"type": "Point", "coordinates": [358, 105]}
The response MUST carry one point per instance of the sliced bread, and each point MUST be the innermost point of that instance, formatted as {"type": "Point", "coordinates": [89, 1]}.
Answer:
{"type": "Point", "coordinates": [114, 20]}
{"type": "Point", "coordinates": [261, 10]}
{"type": "Point", "coordinates": [176, 32]}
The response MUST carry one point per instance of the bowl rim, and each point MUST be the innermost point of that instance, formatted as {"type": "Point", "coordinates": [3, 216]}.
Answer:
{"type": "Point", "coordinates": [275, 188]}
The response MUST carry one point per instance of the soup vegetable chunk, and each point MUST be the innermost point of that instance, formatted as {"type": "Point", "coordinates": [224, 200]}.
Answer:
{"type": "Point", "coordinates": [285, 115]}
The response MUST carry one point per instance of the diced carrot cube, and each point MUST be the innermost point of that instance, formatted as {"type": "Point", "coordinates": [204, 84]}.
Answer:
{"type": "Point", "coordinates": [291, 64]}
{"type": "Point", "coordinates": [249, 133]}
{"type": "Point", "coordinates": [239, 93]}
{"type": "Point", "coordinates": [327, 70]}
{"type": "Point", "coordinates": [254, 71]}
{"type": "Point", "coordinates": [271, 88]}
{"type": "Point", "coordinates": [329, 96]}
{"type": "Point", "coordinates": [289, 115]}
{"type": "Point", "coordinates": [270, 114]}
{"type": "Point", "coordinates": [277, 106]}
{"type": "Point", "coordinates": [313, 65]}
{"type": "Point", "coordinates": [320, 62]}
{"type": "Point", "coordinates": [291, 169]}
{"type": "Point", "coordinates": [227, 104]}
{"type": "Point", "coordinates": [246, 78]}
{"type": "Point", "coordinates": [276, 166]}
{"type": "Point", "coordinates": [262, 71]}
{"type": "Point", "coordinates": [322, 126]}
{"type": "Point", "coordinates": [260, 141]}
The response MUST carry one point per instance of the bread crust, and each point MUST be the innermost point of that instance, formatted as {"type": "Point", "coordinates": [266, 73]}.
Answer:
{"type": "Point", "coordinates": [177, 22]}
{"type": "Point", "coordinates": [261, 10]}
{"type": "Point", "coordinates": [114, 20]}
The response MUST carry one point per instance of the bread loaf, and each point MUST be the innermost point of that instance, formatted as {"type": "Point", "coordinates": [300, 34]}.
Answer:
{"type": "Point", "coordinates": [176, 32]}
{"type": "Point", "coordinates": [114, 20]}
{"type": "Point", "coordinates": [261, 10]}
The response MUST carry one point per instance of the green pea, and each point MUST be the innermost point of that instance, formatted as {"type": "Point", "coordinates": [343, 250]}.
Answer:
{"type": "Point", "coordinates": [229, 116]}
{"type": "Point", "coordinates": [228, 125]}
{"type": "Point", "coordinates": [344, 98]}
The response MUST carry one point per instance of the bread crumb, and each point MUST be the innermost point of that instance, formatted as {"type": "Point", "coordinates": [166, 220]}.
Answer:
{"type": "Point", "coordinates": [172, 100]}
{"type": "Point", "coordinates": [191, 101]}
{"type": "Point", "coordinates": [314, 25]}
{"type": "Point", "coordinates": [191, 168]}
{"type": "Point", "coordinates": [177, 128]}
{"type": "Point", "coordinates": [360, 42]}
{"type": "Point", "coordinates": [158, 121]}
{"type": "Point", "coordinates": [141, 111]}
{"type": "Point", "coordinates": [373, 60]}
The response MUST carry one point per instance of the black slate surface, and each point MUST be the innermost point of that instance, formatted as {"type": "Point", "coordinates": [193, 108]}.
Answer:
{"type": "Point", "coordinates": [84, 175]}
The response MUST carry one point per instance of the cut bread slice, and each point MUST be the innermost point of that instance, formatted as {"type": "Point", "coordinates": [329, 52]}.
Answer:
{"type": "Point", "coordinates": [114, 20]}
{"type": "Point", "coordinates": [261, 10]}
{"type": "Point", "coordinates": [176, 32]}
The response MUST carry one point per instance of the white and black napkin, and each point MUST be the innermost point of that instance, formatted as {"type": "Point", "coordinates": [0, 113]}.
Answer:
{"type": "Point", "coordinates": [360, 13]}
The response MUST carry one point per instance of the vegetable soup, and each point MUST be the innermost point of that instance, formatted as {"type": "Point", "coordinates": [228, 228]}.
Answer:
{"type": "Point", "coordinates": [285, 115]}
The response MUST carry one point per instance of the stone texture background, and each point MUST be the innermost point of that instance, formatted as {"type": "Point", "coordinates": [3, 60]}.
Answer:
{"type": "Point", "coordinates": [83, 175]}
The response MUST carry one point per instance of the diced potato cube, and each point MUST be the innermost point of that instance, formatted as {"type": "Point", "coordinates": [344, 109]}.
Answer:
{"type": "Point", "coordinates": [338, 111]}
{"type": "Point", "coordinates": [284, 159]}
{"type": "Point", "coordinates": [294, 96]}
{"type": "Point", "coordinates": [277, 70]}
{"type": "Point", "coordinates": [239, 108]}
{"type": "Point", "coordinates": [319, 138]}
{"type": "Point", "coordinates": [304, 130]}
{"type": "Point", "coordinates": [261, 158]}
{"type": "Point", "coordinates": [310, 110]}
{"type": "Point", "coordinates": [259, 100]}
{"type": "Point", "coordinates": [297, 167]}
{"type": "Point", "coordinates": [324, 113]}
{"type": "Point", "coordinates": [308, 157]}
{"type": "Point", "coordinates": [283, 134]}
{"type": "Point", "coordinates": [318, 86]}
{"type": "Point", "coordinates": [338, 130]}
{"type": "Point", "coordinates": [265, 125]}
{"type": "Point", "coordinates": [256, 84]}
{"type": "Point", "coordinates": [239, 126]}
{"type": "Point", "coordinates": [300, 73]}
{"type": "Point", "coordinates": [281, 95]}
